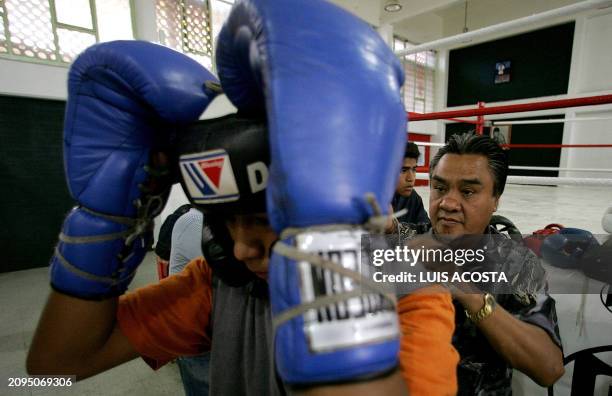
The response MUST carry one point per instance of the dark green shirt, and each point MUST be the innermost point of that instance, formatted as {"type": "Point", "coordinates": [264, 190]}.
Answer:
{"type": "Point", "coordinates": [482, 371]}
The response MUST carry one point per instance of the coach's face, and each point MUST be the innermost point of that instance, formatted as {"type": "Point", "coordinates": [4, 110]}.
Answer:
{"type": "Point", "coordinates": [461, 199]}
{"type": "Point", "coordinates": [253, 238]}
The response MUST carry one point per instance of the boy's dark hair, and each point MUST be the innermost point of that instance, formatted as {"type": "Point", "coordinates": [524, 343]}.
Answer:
{"type": "Point", "coordinates": [470, 143]}
{"type": "Point", "coordinates": [412, 151]}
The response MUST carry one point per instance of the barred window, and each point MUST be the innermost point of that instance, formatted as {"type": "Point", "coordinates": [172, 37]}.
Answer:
{"type": "Point", "coordinates": [418, 90]}
{"type": "Point", "coordinates": [191, 26]}
{"type": "Point", "coordinates": [55, 31]}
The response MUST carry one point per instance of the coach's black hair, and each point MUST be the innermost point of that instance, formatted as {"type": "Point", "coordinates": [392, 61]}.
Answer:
{"type": "Point", "coordinates": [470, 143]}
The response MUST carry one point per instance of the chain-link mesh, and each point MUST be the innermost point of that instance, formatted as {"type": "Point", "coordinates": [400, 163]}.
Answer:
{"type": "Point", "coordinates": [197, 35]}
{"type": "Point", "coordinates": [185, 26]}
{"type": "Point", "coordinates": [72, 43]}
{"type": "Point", "coordinates": [30, 28]}
{"type": "Point", "coordinates": [168, 16]}
{"type": "Point", "coordinates": [419, 69]}
{"type": "Point", "coordinates": [418, 88]}
{"type": "Point", "coordinates": [58, 35]}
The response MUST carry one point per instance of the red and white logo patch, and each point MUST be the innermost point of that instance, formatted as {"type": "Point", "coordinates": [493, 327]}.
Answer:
{"type": "Point", "coordinates": [209, 177]}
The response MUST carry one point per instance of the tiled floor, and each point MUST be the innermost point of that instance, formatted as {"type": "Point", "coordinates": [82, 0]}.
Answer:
{"type": "Point", "coordinates": [23, 294]}
{"type": "Point", "coordinates": [530, 207]}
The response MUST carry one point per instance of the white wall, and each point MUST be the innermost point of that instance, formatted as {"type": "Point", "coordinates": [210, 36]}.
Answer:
{"type": "Point", "coordinates": [33, 80]}
{"type": "Point", "coordinates": [595, 64]}
{"type": "Point", "coordinates": [590, 75]}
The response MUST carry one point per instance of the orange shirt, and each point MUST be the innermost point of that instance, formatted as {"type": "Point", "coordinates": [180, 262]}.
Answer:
{"type": "Point", "coordinates": [172, 318]}
{"type": "Point", "coordinates": [427, 357]}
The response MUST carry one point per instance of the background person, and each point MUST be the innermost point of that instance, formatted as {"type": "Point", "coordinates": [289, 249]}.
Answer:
{"type": "Point", "coordinates": [405, 196]}
{"type": "Point", "coordinates": [494, 332]}
{"type": "Point", "coordinates": [164, 241]}
{"type": "Point", "coordinates": [186, 246]}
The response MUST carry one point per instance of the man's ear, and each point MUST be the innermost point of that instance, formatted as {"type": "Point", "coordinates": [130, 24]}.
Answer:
{"type": "Point", "coordinates": [496, 204]}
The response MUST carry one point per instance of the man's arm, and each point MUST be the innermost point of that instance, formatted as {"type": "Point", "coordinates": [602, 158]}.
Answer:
{"type": "Point", "coordinates": [186, 241]}
{"type": "Point", "coordinates": [524, 346]}
{"type": "Point", "coordinates": [78, 337]}
{"type": "Point", "coordinates": [119, 107]}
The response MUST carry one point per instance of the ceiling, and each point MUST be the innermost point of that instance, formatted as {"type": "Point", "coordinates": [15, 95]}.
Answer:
{"type": "Point", "coordinates": [421, 21]}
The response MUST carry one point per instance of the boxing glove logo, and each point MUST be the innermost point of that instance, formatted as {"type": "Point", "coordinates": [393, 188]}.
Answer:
{"type": "Point", "coordinates": [210, 177]}
{"type": "Point", "coordinates": [258, 176]}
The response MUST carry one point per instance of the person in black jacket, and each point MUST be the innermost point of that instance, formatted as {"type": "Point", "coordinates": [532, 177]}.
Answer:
{"type": "Point", "coordinates": [405, 197]}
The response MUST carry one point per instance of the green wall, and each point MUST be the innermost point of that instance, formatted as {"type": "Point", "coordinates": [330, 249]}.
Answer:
{"type": "Point", "coordinates": [540, 65]}
{"type": "Point", "coordinates": [34, 195]}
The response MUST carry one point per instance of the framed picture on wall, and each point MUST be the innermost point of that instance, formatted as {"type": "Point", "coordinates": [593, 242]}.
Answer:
{"type": "Point", "coordinates": [502, 134]}
{"type": "Point", "coordinates": [502, 72]}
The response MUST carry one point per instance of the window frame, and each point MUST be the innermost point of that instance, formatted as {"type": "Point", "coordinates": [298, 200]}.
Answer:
{"type": "Point", "coordinates": [432, 68]}
{"type": "Point", "coordinates": [54, 26]}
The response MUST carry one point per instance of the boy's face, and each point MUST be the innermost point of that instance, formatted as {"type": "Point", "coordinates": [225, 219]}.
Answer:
{"type": "Point", "coordinates": [253, 238]}
{"type": "Point", "coordinates": [407, 177]}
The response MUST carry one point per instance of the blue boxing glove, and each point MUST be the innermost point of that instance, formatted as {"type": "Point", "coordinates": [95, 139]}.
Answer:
{"type": "Point", "coordinates": [125, 99]}
{"type": "Point", "coordinates": [331, 90]}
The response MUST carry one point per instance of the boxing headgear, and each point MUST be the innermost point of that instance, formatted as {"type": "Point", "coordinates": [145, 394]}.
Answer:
{"type": "Point", "coordinates": [223, 163]}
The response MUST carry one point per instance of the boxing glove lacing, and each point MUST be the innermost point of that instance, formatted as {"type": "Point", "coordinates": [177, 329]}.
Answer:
{"type": "Point", "coordinates": [147, 208]}
{"type": "Point", "coordinates": [375, 224]}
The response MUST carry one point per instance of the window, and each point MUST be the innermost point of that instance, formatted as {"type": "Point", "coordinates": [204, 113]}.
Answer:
{"type": "Point", "coordinates": [191, 26]}
{"type": "Point", "coordinates": [220, 12]}
{"type": "Point", "coordinates": [55, 31]}
{"type": "Point", "coordinates": [418, 90]}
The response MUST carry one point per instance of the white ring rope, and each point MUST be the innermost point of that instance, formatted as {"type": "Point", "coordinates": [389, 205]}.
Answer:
{"type": "Point", "coordinates": [429, 144]}
{"type": "Point", "coordinates": [550, 121]}
{"type": "Point", "coordinates": [550, 168]}
{"type": "Point", "coordinates": [550, 181]}
{"type": "Point", "coordinates": [558, 181]}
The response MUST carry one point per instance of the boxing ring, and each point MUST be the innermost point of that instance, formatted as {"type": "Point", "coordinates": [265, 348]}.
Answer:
{"type": "Point", "coordinates": [481, 110]}
{"type": "Point", "coordinates": [584, 322]}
